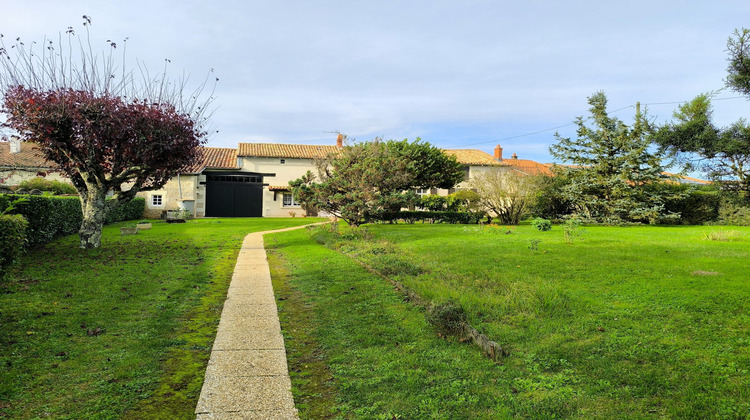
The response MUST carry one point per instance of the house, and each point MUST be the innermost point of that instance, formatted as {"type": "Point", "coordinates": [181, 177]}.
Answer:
{"type": "Point", "coordinates": [20, 161]}
{"type": "Point", "coordinates": [249, 181]}
{"type": "Point", "coordinates": [253, 180]}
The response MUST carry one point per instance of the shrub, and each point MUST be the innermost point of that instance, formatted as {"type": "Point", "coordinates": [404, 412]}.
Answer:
{"type": "Point", "coordinates": [453, 217]}
{"type": "Point", "coordinates": [12, 240]}
{"type": "Point", "coordinates": [541, 224]}
{"type": "Point", "coordinates": [696, 205]}
{"type": "Point", "coordinates": [463, 200]}
{"type": "Point", "coordinates": [572, 230]}
{"type": "Point", "coordinates": [50, 217]}
{"type": "Point", "coordinates": [53, 186]}
{"type": "Point", "coordinates": [131, 210]}
{"type": "Point", "coordinates": [550, 203]}
{"type": "Point", "coordinates": [733, 214]}
{"type": "Point", "coordinates": [432, 202]}
{"type": "Point", "coordinates": [447, 317]}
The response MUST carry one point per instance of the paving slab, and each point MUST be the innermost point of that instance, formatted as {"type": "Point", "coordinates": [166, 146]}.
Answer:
{"type": "Point", "coordinates": [252, 340]}
{"type": "Point", "coordinates": [248, 362]}
{"type": "Point", "coordinates": [247, 375]}
{"type": "Point", "coordinates": [243, 393]}
{"type": "Point", "coordinates": [249, 297]}
{"type": "Point", "coordinates": [248, 310]}
{"type": "Point", "coordinates": [250, 414]}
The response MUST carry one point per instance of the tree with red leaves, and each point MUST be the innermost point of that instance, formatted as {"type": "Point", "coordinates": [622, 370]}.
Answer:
{"type": "Point", "coordinates": [110, 135]}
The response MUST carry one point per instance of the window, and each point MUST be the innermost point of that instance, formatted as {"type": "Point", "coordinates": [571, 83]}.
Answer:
{"type": "Point", "coordinates": [156, 200]}
{"type": "Point", "coordinates": [283, 161]}
{"type": "Point", "coordinates": [422, 191]}
{"type": "Point", "coordinates": [289, 200]}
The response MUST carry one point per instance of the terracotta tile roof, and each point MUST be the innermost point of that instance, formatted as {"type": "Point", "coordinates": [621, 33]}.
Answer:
{"type": "Point", "coordinates": [683, 179]}
{"type": "Point", "coordinates": [473, 157]}
{"type": "Point", "coordinates": [31, 158]}
{"type": "Point", "coordinates": [214, 158]}
{"type": "Point", "coordinates": [528, 167]}
{"type": "Point", "coordinates": [28, 157]}
{"type": "Point", "coordinates": [300, 151]}
{"type": "Point", "coordinates": [279, 188]}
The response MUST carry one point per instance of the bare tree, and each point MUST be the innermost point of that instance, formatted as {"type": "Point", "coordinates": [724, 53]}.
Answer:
{"type": "Point", "coordinates": [505, 193]}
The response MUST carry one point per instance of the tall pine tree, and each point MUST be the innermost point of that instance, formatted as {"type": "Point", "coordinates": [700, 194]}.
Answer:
{"type": "Point", "coordinates": [611, 169]}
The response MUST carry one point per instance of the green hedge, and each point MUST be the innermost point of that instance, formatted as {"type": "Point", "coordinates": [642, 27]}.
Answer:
{"type": "Point", "coordinates": [50, 217]}
{"type": "Point", "coordinates": [695, 204]}
{"type": "Point", "coordinates": [54, 186]}
{"type": "Point", "coordinates": [453, 217]}
{"type": "Point", "coordinates": [131, 210]}
{"type": "Point", "coordinates": [12, 240]}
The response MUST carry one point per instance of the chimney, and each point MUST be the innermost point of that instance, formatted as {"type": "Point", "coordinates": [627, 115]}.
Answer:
{"type": "Point", "coordinates": [340, 141]}
{"type": "Point", "coordinates": [514, 156]}
{"type": "Point", "coordinates": [498, 152]}
{"type": "Point", "coordinates": [15, 144]}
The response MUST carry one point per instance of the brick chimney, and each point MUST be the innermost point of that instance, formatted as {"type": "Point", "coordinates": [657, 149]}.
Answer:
{"type": "Point", "coordinates": [15, 144]}
{"type": "Point", "coordinates": [340, 141]}
{"type": "Point", "coordinates": [498, 152]}
{"type": "Point", "coordinates": [514, 156]}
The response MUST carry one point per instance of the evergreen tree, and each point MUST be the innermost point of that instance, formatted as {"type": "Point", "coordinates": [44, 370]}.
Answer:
{"type": "Point", "coordinates": [697, 143]}
{"type": "Point", "coordinates": [611, 167]}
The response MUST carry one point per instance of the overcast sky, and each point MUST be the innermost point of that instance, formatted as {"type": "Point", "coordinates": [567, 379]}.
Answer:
{"type": "Point", "coordinates": [459, 74]}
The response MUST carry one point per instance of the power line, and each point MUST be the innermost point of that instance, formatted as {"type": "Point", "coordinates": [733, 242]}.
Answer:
{"type": "Point", "coordinates": [588, 118]}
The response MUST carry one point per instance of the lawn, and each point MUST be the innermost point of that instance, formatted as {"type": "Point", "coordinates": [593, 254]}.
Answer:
{"type": "Point", "coordinates": [123, 331]}
{"type": "Point", "coordinates": [622, 322]}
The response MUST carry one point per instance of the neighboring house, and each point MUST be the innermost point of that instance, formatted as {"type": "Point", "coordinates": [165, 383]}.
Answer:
{"type": "Point", "coordinates": [21, 161]}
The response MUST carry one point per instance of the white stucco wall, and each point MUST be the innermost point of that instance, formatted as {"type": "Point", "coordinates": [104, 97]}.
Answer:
{"type": "Point", "coordinates": [290, 170]}
{"type": "Point", "coordinates": [176, 193]}
{"type": "Point", "coordinates": [16, 176]}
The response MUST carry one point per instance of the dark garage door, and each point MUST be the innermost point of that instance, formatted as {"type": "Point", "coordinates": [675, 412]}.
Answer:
{"type": "Point", "coordinates": [234, 195]}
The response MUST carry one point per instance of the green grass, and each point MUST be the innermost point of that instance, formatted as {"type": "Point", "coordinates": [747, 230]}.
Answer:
{"type": "Point", "coordinates": [624, 322]}
{"type": "Point", "coordinates": [120, 331]}
{"type": "Point", "coordinates": [356, 350]}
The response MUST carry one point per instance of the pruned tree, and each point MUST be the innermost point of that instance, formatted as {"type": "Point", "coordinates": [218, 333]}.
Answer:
{"type": "Point", "coordinates": [611, 166]}
{"type": "Point", "coordinates": [111, 132]}
{"type": "Point", "coordinates": [355, 183]}
{"type": "Point", "coordinates": [504, 193]}
{"type": "Point", "coordinates": [365, 180]}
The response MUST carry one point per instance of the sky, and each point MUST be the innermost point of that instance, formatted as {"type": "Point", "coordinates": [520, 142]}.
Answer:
{"type": "Point", "coordinates": [458, 74]}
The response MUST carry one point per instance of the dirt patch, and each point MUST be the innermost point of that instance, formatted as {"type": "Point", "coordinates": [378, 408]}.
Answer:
{"type": "Point", "coordinates": [704, 273]}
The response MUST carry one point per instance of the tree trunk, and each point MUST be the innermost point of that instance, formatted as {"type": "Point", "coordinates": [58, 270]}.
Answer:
{"type": "Point", "coordinates": [93, 206]}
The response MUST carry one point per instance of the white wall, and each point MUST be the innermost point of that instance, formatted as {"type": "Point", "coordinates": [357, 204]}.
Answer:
{"type": "Point", "coordinates": [290, 170]}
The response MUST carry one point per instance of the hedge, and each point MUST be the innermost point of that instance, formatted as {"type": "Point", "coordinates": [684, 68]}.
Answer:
{"type": "Point", "coordinates": [12, 240]}
{"type": "Point", "coordinates": [50, 217]}
{"type": "Point", "coordinates": [54, 186]}
{"type": "Point", "coordinates": [453, 217]}
{"type": "Point", "coordinates": [131, 210]}
{"type": "Point", "coordinates": [696, 206]}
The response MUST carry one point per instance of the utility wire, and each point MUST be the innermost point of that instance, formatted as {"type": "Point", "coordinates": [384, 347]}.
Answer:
{"type": "Point", "coordinates": [588, 118]}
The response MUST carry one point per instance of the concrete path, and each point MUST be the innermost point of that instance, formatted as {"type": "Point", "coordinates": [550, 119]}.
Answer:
{"type": "Point", "coordinates": [247, 375]}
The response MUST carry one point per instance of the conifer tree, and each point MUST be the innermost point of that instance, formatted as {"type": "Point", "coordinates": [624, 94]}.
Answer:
{"type": "Point", "coordinates": [611, 167]}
